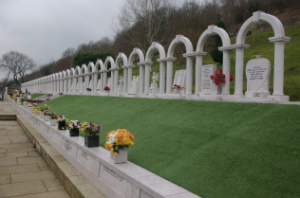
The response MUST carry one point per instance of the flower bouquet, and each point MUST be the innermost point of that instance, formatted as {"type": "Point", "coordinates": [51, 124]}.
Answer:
{"type": "Point", "coordinates": [219, 77]}
{"type": "Point", "coordinates": [52, 117]}
{"type": "Point", "coordinates": [91, 134]}
{"type": "Point", "coordinates": [118, 142]}
{"type": "Point", "coordinates": [106, 88]}
{"type": "Point", "coordinates": [61, 120]}
{"type": "Point", "coordinates": [73, 126]}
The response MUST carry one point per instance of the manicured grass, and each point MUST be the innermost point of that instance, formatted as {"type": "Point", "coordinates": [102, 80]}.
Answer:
{"type": "Point", "coordinates": [213, 149]}
{"type": "Point", "coordinates": [33, 96]}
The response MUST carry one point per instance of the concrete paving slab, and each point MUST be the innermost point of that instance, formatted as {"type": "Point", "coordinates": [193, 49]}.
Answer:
{"type": "Point", "coordinates": [5, 141]}
{"type": "Point", "coordinates": [8, 161]}
{"type": "Point", "coordinates": [16, 150]}
{"type": "Point", "coordinates": [30, 160]}
{"type": "Point", "coordinates": [4, 179]}
{"type": "Point", "coordinates": [53, 184]}
{"type": "Point", "coordinates": [23, 177]}
{"type": "Point", "coordinates": [9, 146]}
{"type": "Point", "coordinates": [24, 188]}
{"type": "Point", "coordinates": [18, 154]}
{"type": "Point", "coordinates": [19, 169]}
{"type": "Point", "coordinates": [43, 166]}
{"type": "Point", "coordinates": [55, 194]}
{"type": "Point", "coordinates": [19, 140]}
{"type": "Point", "coordinates": [33, 154]}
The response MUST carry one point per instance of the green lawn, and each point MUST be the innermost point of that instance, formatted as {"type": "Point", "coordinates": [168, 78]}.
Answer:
{"type": "Point", "coordinates": [213, 149]}
{"type": "Point", "coordinates": [33, 96]}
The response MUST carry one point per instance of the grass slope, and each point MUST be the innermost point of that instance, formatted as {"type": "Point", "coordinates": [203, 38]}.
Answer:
{"type": "Point", "coordinates": [33, 96]}
{"type": "Point", "coordinates": [213, 149]}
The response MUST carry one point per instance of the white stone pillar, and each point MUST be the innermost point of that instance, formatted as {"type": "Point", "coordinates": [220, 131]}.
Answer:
{"type": "Point", "coordinates": [65, 85]}
{"type": "Point", "coordinates": [112, 76]}
{"type": "Point", "coordinates": [278, 69]}
{"type": "Point", "coordinates": [170, 74]}
{"type": "Point", "coordinates": [189, 75]}
{"type": "Point", "coordinates": [162, 76]}
{"type": "Point", "coordinates": [129, 75]}
{"type": "Point", "coordinates": [142, 72]}
{"type": "Point", "coordinates": [104, 79]}
{"type": "Point", "coordinates": [69, 84]}
{"type": "Point", "coordinates": [147, 77]}
{"type": "Point", "coordinates": [74, 84]}
{"type": "Point", "coordinates": [239, 72]}
{"type": "Point", "coordinates": [116, 80]}
{"type": "Point", "coordinates": [125, 79]}
{"type": "Point", "coordinates": [95, 81]}
{"type": "Point", "coordinates": [61, 86]}
{"type": "Point", "coordinates": [199, 61]}
{"type": "Point", "coordinates": [226, 71]}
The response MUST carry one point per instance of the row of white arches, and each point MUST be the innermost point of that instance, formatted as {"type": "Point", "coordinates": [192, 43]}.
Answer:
{"type": "Point", "coordinates": [88, 75]}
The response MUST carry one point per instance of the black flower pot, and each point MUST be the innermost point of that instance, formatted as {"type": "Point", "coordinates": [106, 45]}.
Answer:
{"type": "Point", "coordinates": [61, 125]}
{"type": "Point", "coordinates": [91, 140]}
{"type": "Point", "coordinates": [74, 132]}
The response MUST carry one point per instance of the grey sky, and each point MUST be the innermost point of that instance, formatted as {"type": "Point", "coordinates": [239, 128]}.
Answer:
{"type": "Point", "coordinates": [44, 29]}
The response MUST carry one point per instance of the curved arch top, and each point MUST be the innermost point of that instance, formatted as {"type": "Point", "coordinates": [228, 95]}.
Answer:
{"type": "Point", "coordinates": [180, 39]}
{"type": "Point", "coordinates": [213, 29]}
{"type": "Point", "coordinates": [78, 70]}
{"type": "Point", "coordinates": [99, 63]}
{"type": "Point", "coordinates": [118, 59]}
{"type": "Point", "coordinates": [90, 66]}
{"type": "Point", "coordinates": [139, 53]}
{"type": "Point", "coordinates": [260, 16]}
{"type": "Point", "coordinates": [152, 48]}
{"type": "Point", "coordinates": [84, 69]}
{"type": "Point", "coordinates": [110, 60]}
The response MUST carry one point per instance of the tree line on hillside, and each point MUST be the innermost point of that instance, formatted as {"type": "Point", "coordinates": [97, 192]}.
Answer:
{"type": "Point", "coordinates": [141, 22]}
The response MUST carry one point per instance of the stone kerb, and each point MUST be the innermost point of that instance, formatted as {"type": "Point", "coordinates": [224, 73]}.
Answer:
{"type": "Point", "coordinates": [113, 180]}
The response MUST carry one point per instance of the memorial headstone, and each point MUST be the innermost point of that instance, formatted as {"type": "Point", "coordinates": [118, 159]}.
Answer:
{"type": "Point", "coordinates": [120, 86]}
{"type": "Point", "coordinates": [208, 88]}
{"type": "Point", "coordinates": [153, 88]}
{"type": "Point", "coordinates": [99, 85]}
{"type": "Point", "coordinates": [134, 86]}
{"type": "Point", "coordinates": [258, 73]}
{"type": "Point", "coordinates": [179, 80]}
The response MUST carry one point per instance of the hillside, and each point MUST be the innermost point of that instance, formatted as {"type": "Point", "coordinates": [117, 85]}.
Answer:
{"type": "Point", "coordinates": [213, 149]}
{"type": "Point", "coordinates": [259, 45]}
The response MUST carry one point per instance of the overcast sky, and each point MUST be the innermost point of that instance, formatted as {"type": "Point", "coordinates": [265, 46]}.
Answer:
{"type": "Point", "coordinates": [44, 29]}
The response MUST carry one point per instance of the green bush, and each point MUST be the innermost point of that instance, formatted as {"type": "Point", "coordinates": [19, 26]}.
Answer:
{"type": "Point", "coordinates": [84, 57]}
{"type": "Point", "coordinates": [217, 55]}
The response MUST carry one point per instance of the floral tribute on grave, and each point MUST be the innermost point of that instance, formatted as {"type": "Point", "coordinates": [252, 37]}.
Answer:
{"type": "Point", "coordinates": [219, 77]}
{"type": "Point", "coordinates": [61, 120]}
{"type": "Point", "coordinates": [91, 134]}
{"type": "Point", "coordinates": [73, 126]}
{"type": "Point", "coordinates": [118, 142]}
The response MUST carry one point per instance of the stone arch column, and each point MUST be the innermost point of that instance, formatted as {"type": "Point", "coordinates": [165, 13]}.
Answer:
{"type": "Point", "coordinates": [142, 73]}
{"type": "Point", "coordinates": [226, 48]}
{"type": "Point", "coordinates": [131, 65]}
{"type": "Point", "coordinates": [117, 68]}
{"type": "Point", "coordinates": [162, 60]}
{"type": "Point", "coordinates": [279, 41]}
{"type": "Point", "coordinates": [189, 63]}
{"type": "Point", "coordinates": [110, 60]}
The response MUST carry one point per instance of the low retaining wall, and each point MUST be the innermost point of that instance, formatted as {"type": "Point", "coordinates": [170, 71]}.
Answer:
{"type": "Point", "coordinates": [125, 180]}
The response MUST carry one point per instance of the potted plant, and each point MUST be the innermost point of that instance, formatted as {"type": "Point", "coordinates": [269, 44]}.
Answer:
{"type": "Point", "coordinates": [73, 126]}
{"type": "Point", "coordinates": [91, 134]}
{"type": "Point", "coordinates": [61, 122]}
{"type": "Point", "coordinates": [118, 142]}
{"type": "Point", "coordinates": [52, 117]}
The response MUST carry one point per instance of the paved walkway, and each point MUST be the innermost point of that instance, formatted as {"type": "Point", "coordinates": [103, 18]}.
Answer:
{"type": "Point", "coordinates": [23, 172]}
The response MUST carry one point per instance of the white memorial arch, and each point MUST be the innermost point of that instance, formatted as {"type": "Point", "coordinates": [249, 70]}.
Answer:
{"type": "Point", "coordinates": [77, 80]}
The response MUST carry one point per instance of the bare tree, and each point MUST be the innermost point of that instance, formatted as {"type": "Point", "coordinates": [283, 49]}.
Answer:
{"type": "Point", "coordinates": [16, 64]}
{"type": "Point", "coordinates": [145, 21]}
{"type": "Point", "coordinates": [68, 53]}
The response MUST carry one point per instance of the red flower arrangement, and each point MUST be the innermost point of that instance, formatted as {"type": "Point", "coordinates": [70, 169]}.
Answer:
{"type": "Point", "coordinates": [106, 88]}
{"type": "Point", "coordinates": [219, 77]}
{"type": "Point", "coordinates": [176, 86]}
